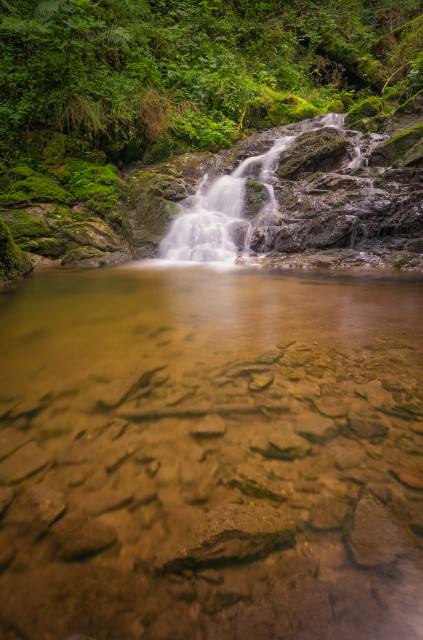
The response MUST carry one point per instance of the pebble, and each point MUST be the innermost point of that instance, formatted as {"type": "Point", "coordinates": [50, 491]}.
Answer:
{"type": "Point", "coordinates": [410, 476]}
{"type": "Point", "coordinates": [212, 426]}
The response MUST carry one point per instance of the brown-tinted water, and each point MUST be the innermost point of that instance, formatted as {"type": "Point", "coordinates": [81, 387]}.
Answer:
{"type": "Point", "coordinates": [187, 453]}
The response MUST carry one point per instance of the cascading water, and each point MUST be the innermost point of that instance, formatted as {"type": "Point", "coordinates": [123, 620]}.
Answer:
{"type": "Point", "coordinates": [202, 231]}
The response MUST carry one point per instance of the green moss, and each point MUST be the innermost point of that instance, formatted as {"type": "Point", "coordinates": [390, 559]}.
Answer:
{"type": "Point", "coordinates": [285, 108]}
{"type": "Point", "coordinates": [93, 184]}
{"type": "Point", "coordinates": [23, 224]}
{"type": "Point", "coordinates": [335, 106]}
{"type": "Point", "coordinates": [53, 247]}
{"type": "Point", "coordinates": [14, 263]}
{"type": "Point", "coordinates": [26, 186]}
{"type": "Point", "coordinates": [81, 253]}
{"type": "Point", "coordinates": [416, 132]}
{"type": "Point", "coordinates": [364, 109]}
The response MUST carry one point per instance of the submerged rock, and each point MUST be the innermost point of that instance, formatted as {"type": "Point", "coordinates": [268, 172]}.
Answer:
{"type": "Point", "coordinates": [78, 536]}
{"type": "Point", "coordinates": [374, 537]}
{"type": "Point", "coordinates": [23, 463]}
{"type": "Point", "coordinates": [328, 514]}
{"type": "Point", "coordinates": [367, 429]}
{"type": "Point", "coordinates": [281, 445]}
{"type": "Point", "coordinates": [212, 426]}
{"type": "Point", "coordinates": [229, 534]}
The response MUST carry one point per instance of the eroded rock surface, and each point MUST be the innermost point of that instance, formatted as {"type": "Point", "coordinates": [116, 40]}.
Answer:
{"type": "Point", "coordinates": [231, 533]}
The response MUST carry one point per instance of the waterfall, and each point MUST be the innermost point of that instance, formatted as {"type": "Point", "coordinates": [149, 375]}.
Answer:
{"type": "Point", "coordinates": [203, 230]}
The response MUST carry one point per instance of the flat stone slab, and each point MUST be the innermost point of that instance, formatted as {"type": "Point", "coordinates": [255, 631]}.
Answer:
{"type": "Point", "coordinates": [367, 429]}
{"type": "Point", "coordinates": [77, 536]}
{"type": "Point", "coordinates": [229, 534]}
{"type": "Point", "coordinates": [374, 537]}
{"type": "Point", "coordinates": [211, 426]}
{"type": "Point", "coordinates": [23, 463]}
{"type": "Point", "coordinates": [281, 445]}
{"type": "Point", "coordinates": [316, 428]}
{"type": "Point", "coordinates": [36, 509]}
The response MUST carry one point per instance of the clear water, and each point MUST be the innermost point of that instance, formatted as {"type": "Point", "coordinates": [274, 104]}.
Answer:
{"type": "Point", "coordinates": [264, 351]}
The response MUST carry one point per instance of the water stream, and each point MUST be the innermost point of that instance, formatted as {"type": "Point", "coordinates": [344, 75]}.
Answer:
{"type": "Point", "coordinates": [202, 231]}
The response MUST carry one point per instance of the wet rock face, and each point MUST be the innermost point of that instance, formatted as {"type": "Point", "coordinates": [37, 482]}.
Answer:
{"type": "Point", "coordinates": [320, 150]}
{"type": "Point", "coordinates": [230, 534]}
{"type": "Point", "coordinates": [354, 208]}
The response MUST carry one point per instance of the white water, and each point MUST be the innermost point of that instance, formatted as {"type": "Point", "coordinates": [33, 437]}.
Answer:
{"type": "Point", "coordinates": [204, 230]}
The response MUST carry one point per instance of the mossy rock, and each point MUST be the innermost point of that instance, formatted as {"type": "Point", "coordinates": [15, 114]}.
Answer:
{"type": "Point", "coordinates": [319, 150]}
{"type": "Point", "coordinates": [14, 263]}
{"type": "Point", "coordinates": [96, 185]}
{"type": "Point", "coordinates": [147, 215]}
{"type": "Point", "coordinates": [75, 256]}
{"type": "Point", "coordinates": [410, 106]}
{"type": "Point", "coordinates": [364, 109]}
{"type": "Point", "coordinates": [92, 233]}
{"type": "Point", "coordinates": [377, 124]}
{"type": "Point", "coordinates": [335, 106]}
{"type": "Point", "coordinates": [403, 150]}
{"type": "Point", "coordinates": [23, 224]}
{"type": "Point", "coordinates": [26, 186]}
{"type": "Point", "coordinates": [285, 108]}
{"type": "Point", "coordinates": [52, 247]}
{"type": "Point", "coordinates": [256, 196]}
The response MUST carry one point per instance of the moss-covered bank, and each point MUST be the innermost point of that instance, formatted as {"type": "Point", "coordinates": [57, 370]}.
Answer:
{"type": "Point", "coordinates": [14, 263]}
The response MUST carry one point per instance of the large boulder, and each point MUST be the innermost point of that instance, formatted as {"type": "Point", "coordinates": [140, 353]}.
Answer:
{"type": "Point", "coordinates": [319, 150]}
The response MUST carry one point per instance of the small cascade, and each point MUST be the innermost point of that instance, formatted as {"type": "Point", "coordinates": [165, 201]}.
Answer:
{"type": "Point", "coordinates": [203, 230]}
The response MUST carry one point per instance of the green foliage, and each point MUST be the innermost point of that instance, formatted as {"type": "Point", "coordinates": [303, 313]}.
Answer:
{"type": "Point", "coordinates": [130, 74]}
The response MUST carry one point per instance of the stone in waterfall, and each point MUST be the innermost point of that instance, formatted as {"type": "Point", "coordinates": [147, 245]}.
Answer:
{"type": "Point", "coordinates": [320, 150]}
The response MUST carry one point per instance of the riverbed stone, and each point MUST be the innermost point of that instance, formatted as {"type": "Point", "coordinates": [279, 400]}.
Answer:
{"type": "Point", "coordinates": [7, 550]}
{"type": "Point", "coordinates": [11, 440]}
{"type": "Point", "coordinates": [260, 381]}
{"type": "Point", "coordinates": [366, 428]}
{"type": "Point", "coordinates": [36, 509]}
{"type": "Point", "coordinates": [211, 426]}
{"type": "Point", "coordinates": [348, 453]}
{"type": "Point", "coordinates": [229, 534]}
{"type": "Point", "coordinates": [78, 536]}
{"type": "Point", "coordinates": [23, 463]}
{"type": "Point", "coordinates": [105, 500]}
{"type": "Point", "coordinates": [373, 536]}
{"type": "Point", "coordinates": [282, 445]}
{"type": "Point", "coordinates": [330, 406]}
{"type": "Point", "coordinates": [259, 485]}
{"type": "Point", "coordinates": [328, 514]}
{"type": "Point", "coordinates": [6, 497]}
{"type": "Point", "coordinates": [410, 445]}
{"type": "Point", "coordinates": [411, 477]}
{"type": "Point", "coordinates": [315, 428]}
